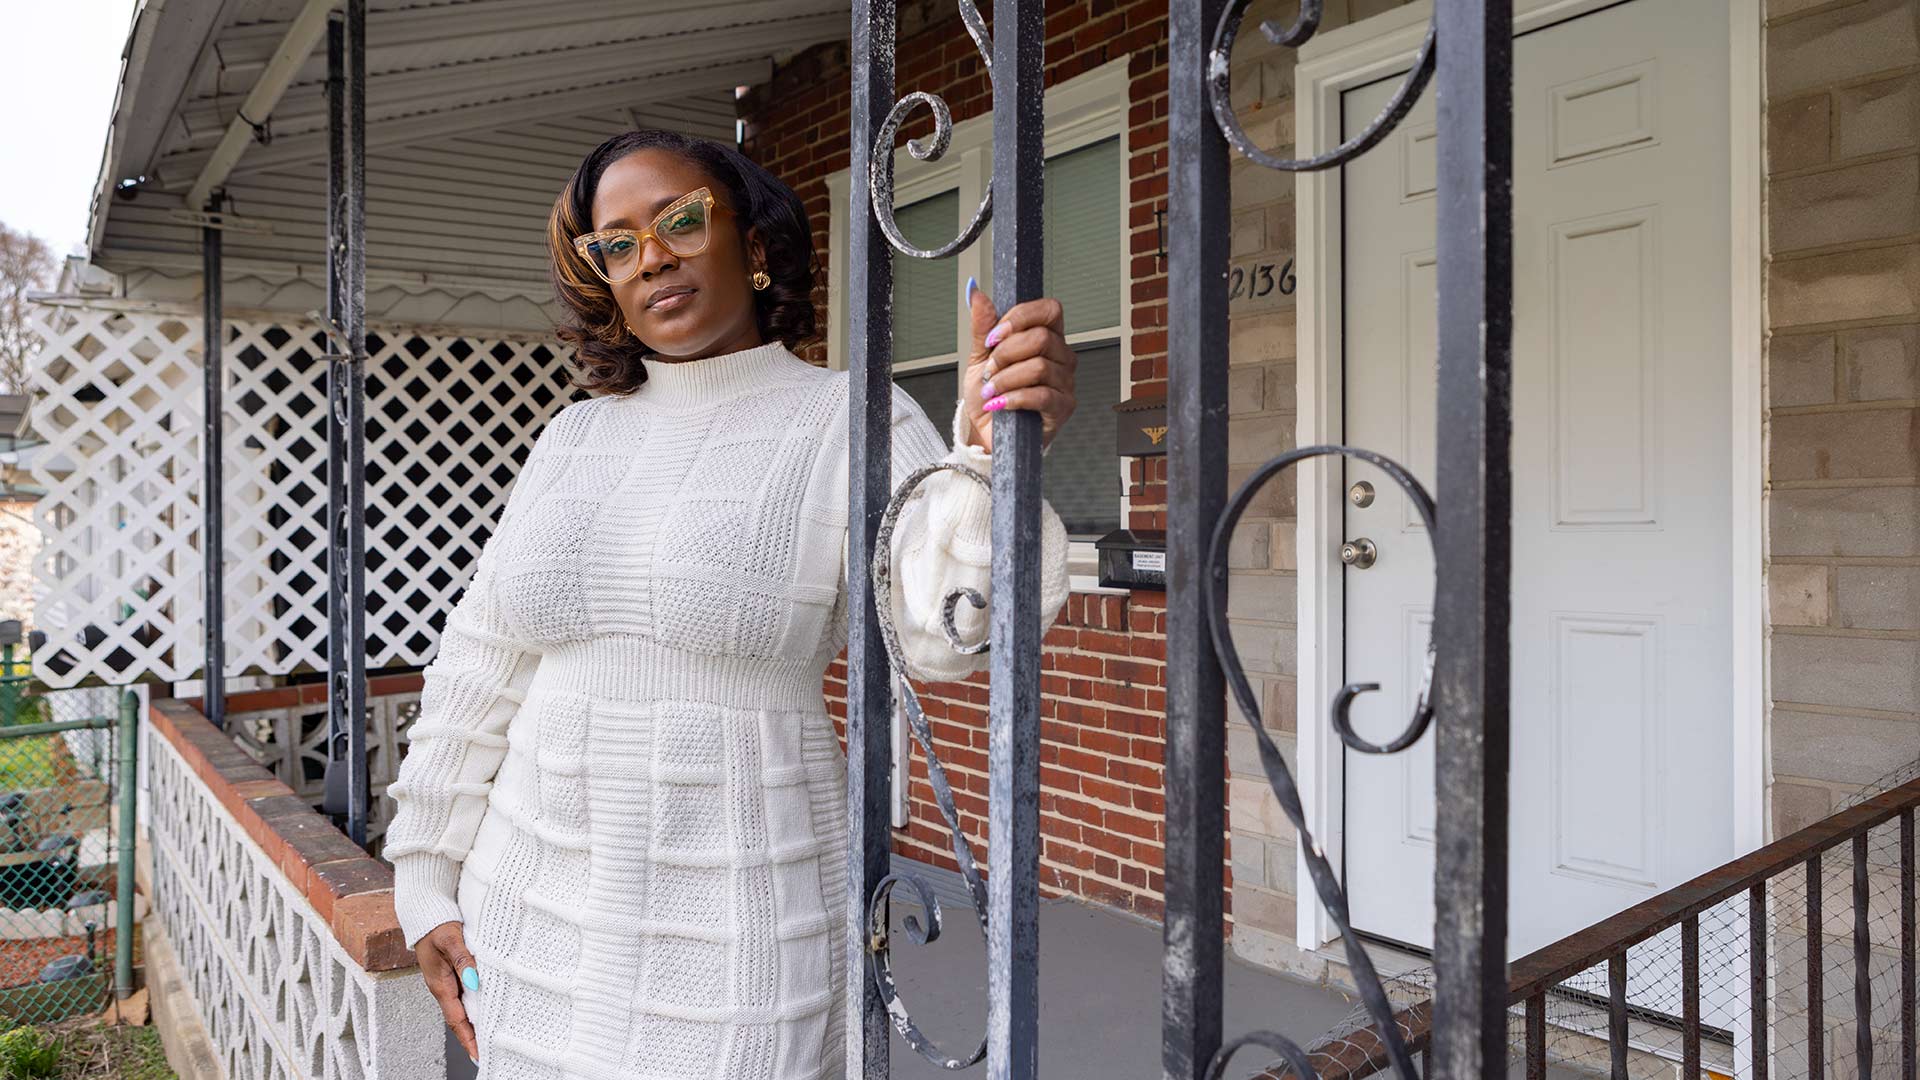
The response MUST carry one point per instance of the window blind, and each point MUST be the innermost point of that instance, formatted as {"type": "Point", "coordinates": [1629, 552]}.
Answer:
{"type": "Point", "coordinates": [1083, 235]}
{"type": "Point", "coordinates": [926, 303]}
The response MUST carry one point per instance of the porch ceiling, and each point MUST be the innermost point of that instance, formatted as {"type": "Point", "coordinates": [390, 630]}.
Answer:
{"type": "Point", "coordinates": [477, 111]}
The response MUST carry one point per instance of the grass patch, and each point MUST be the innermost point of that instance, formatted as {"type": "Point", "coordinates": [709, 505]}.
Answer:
{"type": "Point", "coordinates": [84, 1048]}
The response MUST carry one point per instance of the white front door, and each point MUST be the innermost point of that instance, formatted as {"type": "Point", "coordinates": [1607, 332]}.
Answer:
{"type": "Point", "coordinates": [1622, 652]}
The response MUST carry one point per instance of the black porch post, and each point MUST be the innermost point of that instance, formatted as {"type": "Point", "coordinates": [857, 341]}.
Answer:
{"type": "Point", "coordinates": [346, 420]}
{"type": "Point", "coordinates": [870, 471]}
{"type": "Point", "coordinates": [1473, 538]}
{"type": "Point", "coordinates": [212, 526]}
{"type": "Point", "coordinates": [1013, 739]}
{"type": "Point", "coordinates": [1195, 776]}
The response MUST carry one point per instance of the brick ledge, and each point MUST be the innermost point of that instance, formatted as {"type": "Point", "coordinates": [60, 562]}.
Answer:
{"type": "Point", "coordinates": [349, 889]}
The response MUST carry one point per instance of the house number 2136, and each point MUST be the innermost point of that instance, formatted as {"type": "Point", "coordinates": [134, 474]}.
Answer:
{"type": "Point", "coordinates": [1260, 279]}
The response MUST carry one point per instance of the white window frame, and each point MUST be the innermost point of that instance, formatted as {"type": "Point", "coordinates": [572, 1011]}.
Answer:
{"type": "Point", "coordinates": [1079, 111]}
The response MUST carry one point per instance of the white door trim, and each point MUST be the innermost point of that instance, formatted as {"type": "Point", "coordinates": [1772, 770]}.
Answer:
{"type": "Point", "coordinates": [1364, 52]}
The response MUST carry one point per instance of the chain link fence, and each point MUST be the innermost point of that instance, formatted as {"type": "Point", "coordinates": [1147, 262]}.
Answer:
{"type": "Point", "coordinates": [59, 850]}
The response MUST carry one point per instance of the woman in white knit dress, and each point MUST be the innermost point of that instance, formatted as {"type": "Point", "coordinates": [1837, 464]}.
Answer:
{"type": "Point", "coordinates": [620, 849]}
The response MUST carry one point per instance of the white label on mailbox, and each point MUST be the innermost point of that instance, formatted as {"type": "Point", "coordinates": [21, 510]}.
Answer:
{"type": "Point", "coordinates": [1150, 560]}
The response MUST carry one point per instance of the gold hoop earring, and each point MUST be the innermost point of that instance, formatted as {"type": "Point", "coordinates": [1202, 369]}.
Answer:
{"type": "Point", "coordinates": [761, 280]}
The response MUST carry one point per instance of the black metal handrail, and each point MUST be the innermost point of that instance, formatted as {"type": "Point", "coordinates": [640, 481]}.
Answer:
{"type": "Point", "coordinates": [1535, 976]}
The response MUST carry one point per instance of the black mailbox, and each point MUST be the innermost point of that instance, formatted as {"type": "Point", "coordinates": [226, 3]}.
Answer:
{"type": "Point", "coordinates": [1140, 427]}
{"type": "Point", "coordinates": [1133, 559]}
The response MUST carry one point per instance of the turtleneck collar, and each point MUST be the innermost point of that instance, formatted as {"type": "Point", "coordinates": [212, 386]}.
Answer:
{"type": "Point", "coordinates": [714, 378]}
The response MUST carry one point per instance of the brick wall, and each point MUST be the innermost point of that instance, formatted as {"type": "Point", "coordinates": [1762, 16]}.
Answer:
{"type": "Point", "coordinates": [1843, 292]}
{"type": "Point", "coordinates": [1102, 714]}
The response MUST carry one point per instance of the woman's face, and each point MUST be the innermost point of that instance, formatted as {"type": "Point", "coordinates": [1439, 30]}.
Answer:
{"type": "Point", "coordinates": [682, 308]}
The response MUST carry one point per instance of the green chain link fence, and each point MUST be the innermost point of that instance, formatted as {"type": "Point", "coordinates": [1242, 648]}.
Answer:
{"type": "Point", "coordinates": [62, 893]}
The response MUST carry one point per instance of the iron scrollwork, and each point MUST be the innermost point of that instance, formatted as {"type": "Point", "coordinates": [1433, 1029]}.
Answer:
{"type": "Point", "coordinates": [878, 955]}
{"type": "Point", "coordinates": [880, 165]}
{"type": "Point", "coordinates": [1330, 892]}
{"type": "Point", "coordinates": [1304, 27]}
{"type": "Point", "coordinates": [1332, 895]}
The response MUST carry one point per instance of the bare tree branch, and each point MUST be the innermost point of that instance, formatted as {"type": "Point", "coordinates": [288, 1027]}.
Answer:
{"type": "Point", "coordinates": [25, 263]}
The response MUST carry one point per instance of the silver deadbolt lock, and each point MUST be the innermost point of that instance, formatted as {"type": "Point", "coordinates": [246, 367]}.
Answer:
{"type": "Point", "coordinates": [1360, 494]}
{"type": "Point", "coordinates": [1359, 553]}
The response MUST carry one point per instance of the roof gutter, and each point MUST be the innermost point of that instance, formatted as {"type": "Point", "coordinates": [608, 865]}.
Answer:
{"type": "Point", "coordinates": [133, 61]}
{"type": "Point", "coordinates": [295, 47]}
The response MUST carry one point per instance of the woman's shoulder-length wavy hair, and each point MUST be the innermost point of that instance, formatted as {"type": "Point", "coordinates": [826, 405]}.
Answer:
{"type": "Point", "coordinates": [606, 355]}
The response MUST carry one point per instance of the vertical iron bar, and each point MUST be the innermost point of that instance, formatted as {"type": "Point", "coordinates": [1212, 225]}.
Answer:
{"type": "Point", "coordinates": [1195, 774]}
{"type": "Point", "coordinates": [346, 417]}
{"type": "Point", "coordinates": [1862, 964]}
{"type": "Point", "coordinates": [212, 471]}
{"type": "Point", "coordinates": [1757, 975]}
{"type": "Point", "coordinates": [1537, 1037]}
{"type": "Point", "coordinates": [1617, 1015]}
{"type": "Point", "coordinates": [1816, 975]}
{"type": "Point", "coordinates": [1473, 538]}
{"type": "Point", "coordinates": [127, 776]}
{"type": "Point", "coordinates": [1908, 976]}
{"type": "Point", "coordinates": [1013, 746]}
{"type": "Point", "coordinates": [1690, 998]}
{"type": "Point", "coordinates": [870, 401]}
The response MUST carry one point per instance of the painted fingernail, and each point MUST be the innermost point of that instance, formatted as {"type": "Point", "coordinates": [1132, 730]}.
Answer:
{"type": "Point", "coordinates": [469, 978]}
{"type": "Point", "coordinates": [994, 335]}
{"type": "Point", "coordinates": [972, 287]}
{"type": "Point", "coordinates": [986, 389]}
{"type": "Point", "coordinates": [996, 404]}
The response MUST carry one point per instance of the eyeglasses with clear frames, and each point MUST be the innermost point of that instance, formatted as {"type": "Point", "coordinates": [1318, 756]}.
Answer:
{"type": "Point", "coordinates": [681, 228]}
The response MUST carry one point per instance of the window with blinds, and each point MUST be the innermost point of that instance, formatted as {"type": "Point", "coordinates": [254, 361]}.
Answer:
{"type": "Point", "coordinates": [926, 304]}
{"type": "Point", "coordinates": [1082, 238]}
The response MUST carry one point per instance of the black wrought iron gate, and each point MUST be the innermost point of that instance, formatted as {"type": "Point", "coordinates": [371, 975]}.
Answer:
{"type": "Point", "coordinates": [1468, 54]}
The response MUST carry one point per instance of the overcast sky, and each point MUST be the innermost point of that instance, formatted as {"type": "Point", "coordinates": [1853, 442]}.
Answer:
{"type": "Point", "coordinates": [56, 97]}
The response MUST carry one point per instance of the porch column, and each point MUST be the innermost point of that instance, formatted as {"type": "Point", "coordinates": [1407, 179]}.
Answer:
{"type": "Point", "coordinates": [1198, 207]}
{"type": "Point", "coordinates": [212, 530]}
{"type": "Point", "coordinates": [346, 419]}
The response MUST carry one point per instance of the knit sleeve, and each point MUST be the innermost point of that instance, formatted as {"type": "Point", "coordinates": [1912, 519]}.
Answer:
{"type": "Point", "coordinates": [471, 690]}
{"type": "Point", "coordinates": [943, 540]}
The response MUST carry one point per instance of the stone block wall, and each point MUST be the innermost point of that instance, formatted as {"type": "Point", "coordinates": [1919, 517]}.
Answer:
{"type": "Point", "coordinates": [1843, 382]}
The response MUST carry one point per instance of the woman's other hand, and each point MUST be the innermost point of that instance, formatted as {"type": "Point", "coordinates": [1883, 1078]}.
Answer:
{"type": "Point", "coordinates": [1019, 360]}
{"type": "Point", "coordinates": [447, 965]}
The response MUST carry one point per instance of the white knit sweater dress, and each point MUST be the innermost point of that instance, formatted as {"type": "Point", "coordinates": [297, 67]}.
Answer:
{"type": "Point", "coordinates": [623, 780]}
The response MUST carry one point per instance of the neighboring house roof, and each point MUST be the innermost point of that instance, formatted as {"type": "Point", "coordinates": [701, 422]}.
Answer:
{"type": "Point", "coordinates": [477, 112]}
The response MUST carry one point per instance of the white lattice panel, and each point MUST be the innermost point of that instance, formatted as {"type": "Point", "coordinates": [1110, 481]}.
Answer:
{"type": "Point", "coordinates": [280, 999]}
{"type": "Point", "coordinates": [118, 393]}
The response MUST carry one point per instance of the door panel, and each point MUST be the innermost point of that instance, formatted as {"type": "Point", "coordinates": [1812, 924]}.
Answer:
{"type": "Point", "coordinates": [1621, 748]}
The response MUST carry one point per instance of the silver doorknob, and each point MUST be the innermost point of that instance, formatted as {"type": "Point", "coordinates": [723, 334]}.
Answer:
{"type": "Point", "coordinates": [1359, 553]}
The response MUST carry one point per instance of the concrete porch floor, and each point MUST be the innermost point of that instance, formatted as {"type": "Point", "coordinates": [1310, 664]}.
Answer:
{"type": "Point", "coordinates": [1099, 996]}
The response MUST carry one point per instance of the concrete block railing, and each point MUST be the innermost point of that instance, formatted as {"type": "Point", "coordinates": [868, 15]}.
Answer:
{"type": "Point", "coordinates": [283, 928]}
